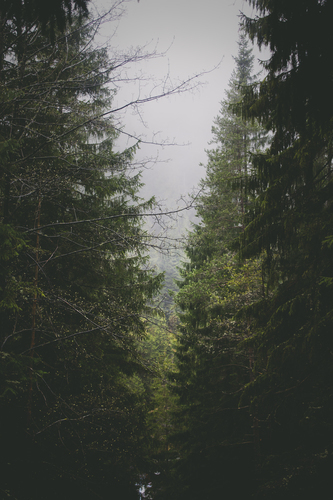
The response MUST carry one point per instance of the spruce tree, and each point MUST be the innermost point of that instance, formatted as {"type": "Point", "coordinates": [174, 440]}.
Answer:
{"type": "Point", "coordinates": [75, 282]}
{"type": "Point", "coordinates": [224, 200]}
{"type": "Point", "coordinates": [290, 223]}
{"type": "Point", "coordinates": [215, 437]}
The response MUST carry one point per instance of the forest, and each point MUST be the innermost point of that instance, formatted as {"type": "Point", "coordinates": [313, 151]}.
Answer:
{"type": "Point", "coordinates": [132, 367]}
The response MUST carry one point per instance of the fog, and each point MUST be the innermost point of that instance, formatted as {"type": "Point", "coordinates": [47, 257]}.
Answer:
{"type": "Point", "coordinates": [195, 38]}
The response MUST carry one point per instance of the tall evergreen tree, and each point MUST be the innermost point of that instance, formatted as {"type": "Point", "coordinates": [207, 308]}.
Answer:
{"type": "Point", "coordinates": [75, 283]}
{"type": "Point", "coordinates": [291, 222]}
{"type": "Point", "coordinates": [216, 445]}
{"type": "Point", "coordinates": [224, 199]}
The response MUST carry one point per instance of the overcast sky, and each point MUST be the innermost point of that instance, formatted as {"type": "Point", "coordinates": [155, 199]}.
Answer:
{"type": "Point", "coordinates": [198, 36]}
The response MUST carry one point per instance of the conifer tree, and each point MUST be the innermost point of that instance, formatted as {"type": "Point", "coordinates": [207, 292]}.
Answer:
{"type": "Point", "coordinates": [75, 282]}
{"type": "Point", "coordinates": [215, 432]}
{"type": "Point", "coordinates": [291, 222]}
{"type": "Point", "coordinates": [224, 199]}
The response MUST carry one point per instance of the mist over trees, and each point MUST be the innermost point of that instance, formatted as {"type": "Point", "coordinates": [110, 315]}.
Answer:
{"type": "Point", "coordinates": [107, 389]}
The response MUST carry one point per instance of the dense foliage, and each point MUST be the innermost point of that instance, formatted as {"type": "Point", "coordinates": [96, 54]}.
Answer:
{"type": "Point", "coordinates": [291, 223]}
{"type": "Point", "coordinates": [74, 279]}
{"type": "Point", "coordinates": [214, 432]}
{"type": "Point", "coordinates": [50, 15]}
{"type": "Point", "coordinates": [97, 398]}
{"type": "Point", "coordinates": [255, 345]}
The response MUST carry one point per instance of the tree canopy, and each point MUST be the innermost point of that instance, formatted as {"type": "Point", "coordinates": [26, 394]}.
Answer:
{"type": "Point", "coordinates": [212, 366]}
{"type": "Point", "coordinates": [75, 282]}
{"type": "Point", "coordinates": [271, 311]}
{"type": "Point", "coordinates": [96, 398]}
{"type": "Point", "coordinates": [290, 223]}
{"type": "Point", "coordinates": [50, 15]}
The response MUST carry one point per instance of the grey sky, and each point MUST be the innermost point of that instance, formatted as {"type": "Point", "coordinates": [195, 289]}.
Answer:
{"type": "Point", "coordinates": [199, 34]}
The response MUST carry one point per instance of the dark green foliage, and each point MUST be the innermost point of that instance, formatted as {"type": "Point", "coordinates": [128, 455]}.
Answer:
{"type": "Point", "coordinates": [215, 435]}
{"type": "Point", "coordinates": [74, 278]}
{"type": "Point", "coordinates": [224, 199]}
{"type": "Point", "coordinates": [295, 96]}
{"type": "Point", "coordinates": [291, 222]}
{"type": "Point", "coordinates": [50, 15]}
{"type": "Point", "coordinates": [158, 350]}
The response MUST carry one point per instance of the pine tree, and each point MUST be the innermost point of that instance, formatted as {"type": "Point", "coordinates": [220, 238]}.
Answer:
{"type": "Point", "coordinates": [75, 282]}
{"type": "Point", "coordinates": [215, 438]}
{"type": "Point", "coordinates": [224, 200]}
{"type": "Point", "coordinates": [291, 223]}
